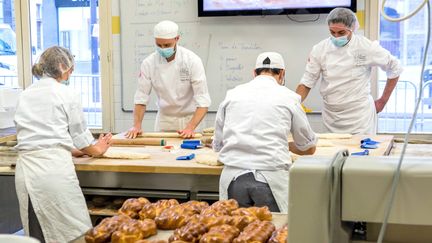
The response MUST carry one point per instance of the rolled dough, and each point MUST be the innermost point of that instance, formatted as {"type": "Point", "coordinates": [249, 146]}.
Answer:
{"type": "Point", "coordinates": [208, 159]}
{"type": "Point", "coordinates": [116, 154]}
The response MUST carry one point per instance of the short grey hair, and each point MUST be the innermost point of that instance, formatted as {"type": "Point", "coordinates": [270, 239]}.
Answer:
{"type": "Point", "coordinates": [344, 16]}
{"type": "Point", "coordinates": [53, 62]}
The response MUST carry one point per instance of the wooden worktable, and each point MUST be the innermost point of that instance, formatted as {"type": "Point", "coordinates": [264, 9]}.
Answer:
{"type": "Point", "coordinates": [164, 162]}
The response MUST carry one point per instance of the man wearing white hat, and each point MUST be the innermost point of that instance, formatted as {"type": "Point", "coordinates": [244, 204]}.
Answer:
{"type": "Point", "coordinates": [178, 77]}
{"type": "Point", "coordinates": [251, 135]}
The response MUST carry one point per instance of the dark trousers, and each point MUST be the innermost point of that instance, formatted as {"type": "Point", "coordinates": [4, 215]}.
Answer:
{"type": "Point", "coordinates": [251, 193]}
{"type": "Point", "coordinates": [35, 229]}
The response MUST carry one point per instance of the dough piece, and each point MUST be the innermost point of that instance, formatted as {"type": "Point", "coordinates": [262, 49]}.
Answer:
{"type": "Point", "coordinates": [134, 230]}
{"type": "Point", "coordinates": [174, 217]}
{"type": "Point", "coordinates": [223, 234]}
{"type": "Point", "coordinates": [133, 206]}
{"type": "Point", "coordinates": [197, 206]}
{"type": "Point", "coordinates": [258, 231]}
{"type": "Point", "coordinates": [152, 210]}
{"type": "Point", "coordinates": [115, 154]}
{"type": "Point", "coordinates": [208, 159]}
{"type": "Point", "coordinates": [191, 232]}
{"type": "Point", "coordinates": [261, 213]}
{"type": "Point", "coordinates": [279, 235]}
{"type": "Point", "coordinates": [103, 231]}
{"type": "Point", "coordinates": [208, 130]}
{"type": "Point", "coordinates": [334, 135]}
{"type": "Point", "coordinates": [324, 143]}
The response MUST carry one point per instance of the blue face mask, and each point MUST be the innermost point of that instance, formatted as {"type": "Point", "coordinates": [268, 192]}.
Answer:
{"type": "Point", "coordinates": [339, 41]}
{"type": "Point", "coordinates": [65, 82]}
{"type": "Point", "coordinates": [166, 52]}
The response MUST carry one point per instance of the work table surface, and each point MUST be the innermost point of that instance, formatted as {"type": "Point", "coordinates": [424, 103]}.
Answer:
{"type": "Point", "coordinates": [165, 162]}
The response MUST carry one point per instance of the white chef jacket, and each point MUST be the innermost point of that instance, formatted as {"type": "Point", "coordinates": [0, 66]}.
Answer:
{"type": "Point", "coordinates": [180, 85]}
{"type": "Point", "coordinates": [251, 133]}
{"type": "Point", "coordinates": [50, 122]}
{"type": "Point", "coordinates": [345, 82]}
{"type": "Point", "coordinates": [49, 115]}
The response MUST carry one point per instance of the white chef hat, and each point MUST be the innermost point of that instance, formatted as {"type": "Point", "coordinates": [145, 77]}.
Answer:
{"type": "Point", "coordinates": [270, 60]}
{"type": "Point", "coordinates": [166, 30]}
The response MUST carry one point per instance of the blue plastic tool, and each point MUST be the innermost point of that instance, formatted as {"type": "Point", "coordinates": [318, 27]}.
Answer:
{"type": "Point", "coordinates": [362, 153]}
{"type": "Point", "coordinates": [198, 142]}
{"type": "Point", "coordinates": [190, 146]}
{"type": "Point", "coordinates": [186, 157]}
{"type": "Point", "coordinates": [368, 146]}
{"type": "Point", "coordinates": [369, 141]}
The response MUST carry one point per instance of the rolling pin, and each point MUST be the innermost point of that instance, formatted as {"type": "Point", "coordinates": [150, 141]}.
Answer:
{"type": "Point", "coordinates": [139, 141]}
{"type": "Point", "coordinates": [165, 135]}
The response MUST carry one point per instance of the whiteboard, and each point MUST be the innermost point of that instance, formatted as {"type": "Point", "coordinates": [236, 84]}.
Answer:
{"type": "Point", "coordinates": [228, 46]}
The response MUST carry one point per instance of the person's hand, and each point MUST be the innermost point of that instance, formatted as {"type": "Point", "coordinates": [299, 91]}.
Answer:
{"type": "Point", "coordinates": [186, 133]}
{"type": "Point", "coordinates": [379, 105]}
{"type": "Point", "coordinates": [133, 132]}
{"type": "Point", "coordinates": [103, 143]}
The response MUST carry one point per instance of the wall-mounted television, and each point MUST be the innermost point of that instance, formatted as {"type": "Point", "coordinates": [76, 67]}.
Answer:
{"type": "Point", "coordinates": [214, 8]}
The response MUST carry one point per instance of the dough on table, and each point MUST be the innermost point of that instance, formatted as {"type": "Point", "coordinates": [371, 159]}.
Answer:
{"type": "Point", "coordinates": [208, 130]}
{"type": "Point", "coordinates": [334, 135]}
{"type": "Point", "coordinates": [208, 159]}
{"type": "Point", "coordinates": [117, 154]}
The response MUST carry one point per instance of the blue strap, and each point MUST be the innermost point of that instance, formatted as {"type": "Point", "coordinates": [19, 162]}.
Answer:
{"type": "Point", "coordinates": [369, 141]}
{"type": "Point", "coordinates": [197, 142]}
{"type": "Point", "coordinates": [186, 157]}
{"type": "Point", "coordinates": [368, 146]}
{"type": "Point", "coordinates": [189, 146]}
{"type": "Point", "coordinates": [362, 153]}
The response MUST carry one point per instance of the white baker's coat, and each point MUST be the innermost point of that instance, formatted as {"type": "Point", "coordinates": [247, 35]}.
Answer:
{"type": "Point", "coordinates": [251, 134]}
{"type": "Point", "coordinates": [180, 86]}
{"type": "Point", "coordinates": [50, 122]}
{"type": "Point", "coordinates": [345, 82]}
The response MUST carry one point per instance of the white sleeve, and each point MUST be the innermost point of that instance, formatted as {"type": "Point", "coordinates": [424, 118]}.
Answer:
{"type": "Point", "coordinates": [77, 125]}
{"type": "Point", "coordinates": [199, 84]}
{"type": "Point", "coordinates": [303, 135]}
{"type": "Point", "coordinates": [219, 125]}
{"type": "Point", "coordinates": [144, 86]}
{"type": "Point", "coordinates": [385, 60]}
{"type": "Point", "coordinates": [312, 71]}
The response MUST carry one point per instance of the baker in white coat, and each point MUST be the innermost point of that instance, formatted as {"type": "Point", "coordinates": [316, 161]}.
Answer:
{"type": "Point", "coordinates": [251, 135]}
{"type": "Point", "coordinates": [178, 77]}
{"type": "Point", "coordinates": [343, 63]}
{"type": "Point", "coordinates": [50, 124]}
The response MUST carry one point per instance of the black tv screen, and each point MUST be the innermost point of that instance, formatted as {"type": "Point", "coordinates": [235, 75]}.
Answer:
{"type": "Point", "coordinates": [209, 8]}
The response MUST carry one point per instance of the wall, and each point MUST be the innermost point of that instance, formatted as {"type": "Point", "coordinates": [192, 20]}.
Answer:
{"type": "Point", "coordinates": [124, 120]}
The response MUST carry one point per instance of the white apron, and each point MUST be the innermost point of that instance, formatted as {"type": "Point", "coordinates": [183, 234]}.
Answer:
{"type": "Point", "coordinates": [356, 117]}
{"type": "Point", "coordinates": [277, 180]}
{"type": "Point", "coordinates": [165, 123]}
{"type": "Point", "coordinates": [48, 177]}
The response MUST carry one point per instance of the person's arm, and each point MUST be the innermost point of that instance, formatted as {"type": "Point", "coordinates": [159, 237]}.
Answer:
{"type": "Point", "coordinates": [199, 114]}
{"type": "Point", "coordinates": [311, 75]}
{"type": "Point", "coordinates": [389, 87]}
{"type": "Point", "coordinates": [217, 143]}
{"type": "Point", "coordinates": [81, 136]}
{"type": "Point", "coordinates": [304, 138]}
{"type": "Point", "coordinates": [77, 153]}
{"type": "Point", "coordinates": [303, 91]}
{"type": "Point", "coordinates": [138, 114]}
{"type": "Point", "coordinates": [293, 148]}
{"type": "Point", "coordinates": [100, 147]}
{"type": "Point", "coordinates": [390, 64]}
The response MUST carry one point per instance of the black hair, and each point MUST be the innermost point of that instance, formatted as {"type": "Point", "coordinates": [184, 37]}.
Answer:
{"type": "Point", "coordinates": [273, 71]}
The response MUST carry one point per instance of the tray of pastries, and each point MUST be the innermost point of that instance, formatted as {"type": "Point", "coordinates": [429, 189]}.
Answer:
{"type": "Point", "coordinates": [139, 220]}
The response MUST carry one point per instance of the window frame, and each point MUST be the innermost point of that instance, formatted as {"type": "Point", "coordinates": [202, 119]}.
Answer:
{"type": "Point", "coordinates": [24, 56]}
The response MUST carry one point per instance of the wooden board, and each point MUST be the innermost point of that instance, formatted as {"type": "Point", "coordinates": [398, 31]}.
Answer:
{"type": "Point", "coordinates": [164, 162]}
